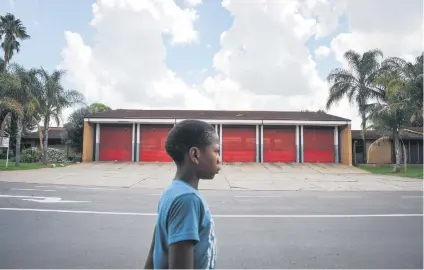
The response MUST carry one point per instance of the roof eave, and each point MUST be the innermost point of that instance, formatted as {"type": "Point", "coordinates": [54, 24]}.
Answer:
{"type": "Point", "coordinates": [218, 121]}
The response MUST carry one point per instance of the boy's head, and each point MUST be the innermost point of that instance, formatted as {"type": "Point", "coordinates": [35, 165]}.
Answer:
{"type": "Point", "coordinates": [194, 144]}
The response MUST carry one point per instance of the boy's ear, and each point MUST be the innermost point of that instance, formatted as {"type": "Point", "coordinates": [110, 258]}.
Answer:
{"type": "Point", "coordinates": [194, 154]}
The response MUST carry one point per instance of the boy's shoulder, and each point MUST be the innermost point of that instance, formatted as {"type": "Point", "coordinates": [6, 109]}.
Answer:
{"type": "Point", "coordinates": [178, 188]}
{"type": "Point", "coordinates": [176, 191]}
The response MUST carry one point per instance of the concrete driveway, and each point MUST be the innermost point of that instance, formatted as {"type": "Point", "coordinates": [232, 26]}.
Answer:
{"type": "Point", "coordinates": [239, 176]}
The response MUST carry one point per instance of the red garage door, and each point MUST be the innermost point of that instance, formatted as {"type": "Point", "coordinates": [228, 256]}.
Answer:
{"type": "Point", "coordinates": [115, 143]}
{"type": "Point", "coordinates": [152, 143]}
{"type": "Point", "coordinates": [238, 144]}
{"type": "Point", "coordinates": [318, 144]}
{"type": "Point", "coordinates": [279, 144]}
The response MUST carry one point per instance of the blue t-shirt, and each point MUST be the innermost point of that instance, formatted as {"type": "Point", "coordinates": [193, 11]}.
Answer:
{"type": "Point", "coordinates": [184, 215]}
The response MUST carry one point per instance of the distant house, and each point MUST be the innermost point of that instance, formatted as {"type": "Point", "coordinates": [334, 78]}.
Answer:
{"type": "Point", "coordinates": [54, 140]}
{"type": "Point", "coordinates": [384, 153]}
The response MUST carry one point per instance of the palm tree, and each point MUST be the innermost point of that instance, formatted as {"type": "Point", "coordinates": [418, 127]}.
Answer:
{"type": "Point", "coordinates": [9, 83]}
{"type": "Point", "coordinates": [11, 31]}
{"type": "Point", "coordinates": [54, 99]}
{"type": "Point", "coordinates": [402, 104]}
{"type": "Point", "coordinates": [389, 117]}
{"type": "Point", "coordinates": [27, 95]}
{"type": "Point", "coordinates": [409, 81]}
{"type": "Point", "coordinates": [356, 83]}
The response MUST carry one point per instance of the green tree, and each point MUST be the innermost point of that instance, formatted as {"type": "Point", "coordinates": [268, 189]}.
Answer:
{"type": "Point", "coordinates": [356, 83]}
{"type": "Point", "coordinates": [9, 83]}
{"type": "Point", "coordinates": [409, 81]}
{"type": "Point", "coordinates": [402, 105]}
{"type": "Point", "coordinates": [27, 96]}
{"type": "Point", "coordinates": [74, 128]}
{"type": "Point", "coordinates": [54, 99]}
{"type": "Point", "coordinates": [12, 31]}
{"type": "Point", "coordinates": [389, 116]}
{"type": "Point", "coordinates": [98, 107]}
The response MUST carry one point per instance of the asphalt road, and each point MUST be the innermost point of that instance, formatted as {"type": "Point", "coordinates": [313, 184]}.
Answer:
{"type": "Point", "coordinates": [82, 227]}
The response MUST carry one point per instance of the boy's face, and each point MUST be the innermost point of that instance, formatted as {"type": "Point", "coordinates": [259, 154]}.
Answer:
{"type": "Point", "coordinates": [209, 160]}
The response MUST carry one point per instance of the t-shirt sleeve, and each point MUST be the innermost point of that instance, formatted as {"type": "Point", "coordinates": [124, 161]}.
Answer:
{"type": "Point", "coordinates": [183, 219]}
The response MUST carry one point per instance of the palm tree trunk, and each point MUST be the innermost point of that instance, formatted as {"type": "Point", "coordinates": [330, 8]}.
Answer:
{"type": "Point", "coordinates": [5, 60]}
{"type": "Point", "coordinates": [363, 134]}
{"type": "Point", "coordinates": [40, 134]}
{"type": "Point", "coordinates": [18, 141]}
{"type": "Point", "coordinates": [396, 138]}
{"type": "Point", "coordinates": [46, 139]}
{"type": "Point", "coordinates": [3, 127]}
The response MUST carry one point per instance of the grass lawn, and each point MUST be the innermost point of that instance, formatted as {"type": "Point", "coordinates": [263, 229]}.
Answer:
{"type": "Point", "coordinates": [412, 171]}
{"type": "Point", "coordinates": [24, 166]}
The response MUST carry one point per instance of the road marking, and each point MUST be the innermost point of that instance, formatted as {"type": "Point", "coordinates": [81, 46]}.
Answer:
{"type": "Point", "coordinates": [19, 196]}
{"type": "Point", "coordinates": [41, 199]}
{"type": "Point", "coordinates": [217, 216]}
{"type": "Point", "coordinates": [88, 188]}
{"type": "Point", "coordinates": [412, 197]}
{"type": "Point", "coordinates": [32, 189]}
{"type": "Point", "coordinates": [49, 187]}
{"type": "Point", "coordinates": [54, 200]}
{"type": "Point", "coordinates": [94, 188]}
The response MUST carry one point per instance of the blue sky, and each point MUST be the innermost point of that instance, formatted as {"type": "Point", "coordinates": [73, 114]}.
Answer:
{"type": "Point", "coordinates": [250, 80]}
{"type": "Point", "coordinates": [47, 21]}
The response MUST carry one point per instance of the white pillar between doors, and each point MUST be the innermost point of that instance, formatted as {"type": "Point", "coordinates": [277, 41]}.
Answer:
{"type": "Point", "coordinates": [133, 142]}
{"type": "Point", "coordinates": [220, 141]}
{"type": "Point", "coordinates": [261, 143]}
{"type": "Point", "coordinates": [301, 145]}
{"type": "Point", "coordinates": [257, 143]}
{"type": "Point", "coordinates": [137, 155]}
{"type": "Point", "coordinates": [336, 144]}
{"type": "Point", "coordinates": [97, 147]}
{"type": "Point", "coordinates": [297, 145]}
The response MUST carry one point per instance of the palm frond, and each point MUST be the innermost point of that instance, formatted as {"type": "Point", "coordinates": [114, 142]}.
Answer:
{"type": "Point", "coordinates": [12, 105]}
{"type": "Point", "coordinates": [337, 92]}
{"type": "Point", "coordinates": [354, 62]}
{"type": "Point", "coordinates": [377, 143]}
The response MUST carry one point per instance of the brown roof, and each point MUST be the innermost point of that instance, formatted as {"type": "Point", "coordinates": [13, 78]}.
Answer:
{"type": "Point", "coordinates": [219, 115]}
{"type": "Point", "coordinates": [54, 133]}
{"type": "Point", "coordinates": [373, 135]}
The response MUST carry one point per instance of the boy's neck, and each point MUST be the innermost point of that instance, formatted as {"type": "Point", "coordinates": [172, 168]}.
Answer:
{"type": "Point", "coordinates": [187, 176]}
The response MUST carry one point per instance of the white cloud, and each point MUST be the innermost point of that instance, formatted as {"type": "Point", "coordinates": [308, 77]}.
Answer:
{"type": "Point", "coordinates": [328, 13]}
{"type": "Point", "coordinates": [394, 27]}
{"type": "Point", "coordinates": [126, 65]}
{"type": "Point", "coordinates": [322, 51]}
{"type": "Point", "coordinates": [193, 3]}
{"type": "Point", "coordinates": [263, 63]}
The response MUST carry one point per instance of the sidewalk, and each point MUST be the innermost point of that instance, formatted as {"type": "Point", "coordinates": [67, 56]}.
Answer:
{"type": "Point", "coordinates": [253, 176]}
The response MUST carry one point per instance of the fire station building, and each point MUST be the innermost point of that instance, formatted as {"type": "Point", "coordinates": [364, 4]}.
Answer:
{"type": "Point", "coordinates": [245, 136]}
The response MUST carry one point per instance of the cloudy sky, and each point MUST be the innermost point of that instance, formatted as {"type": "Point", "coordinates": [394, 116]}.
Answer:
{"type": "Point", "coordinates": [211, 54]}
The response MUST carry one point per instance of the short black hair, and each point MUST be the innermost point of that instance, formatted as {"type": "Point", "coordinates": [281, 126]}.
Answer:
{"type": "Point", "coordinates": [187, 134]}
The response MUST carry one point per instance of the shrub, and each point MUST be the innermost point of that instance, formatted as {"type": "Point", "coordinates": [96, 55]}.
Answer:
{"type": "Point", "coordinates": [56, 156]}
{"type": "Point", "coordinates": [3, 155]}
{"type": "Point", "coordinates": [75, 158]}
{"type": "Point", "coordinates": [31, 155]}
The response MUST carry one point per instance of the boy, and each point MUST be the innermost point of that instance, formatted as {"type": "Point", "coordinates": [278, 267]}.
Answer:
{"type": "Point", "coordinates": [184, 235]}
